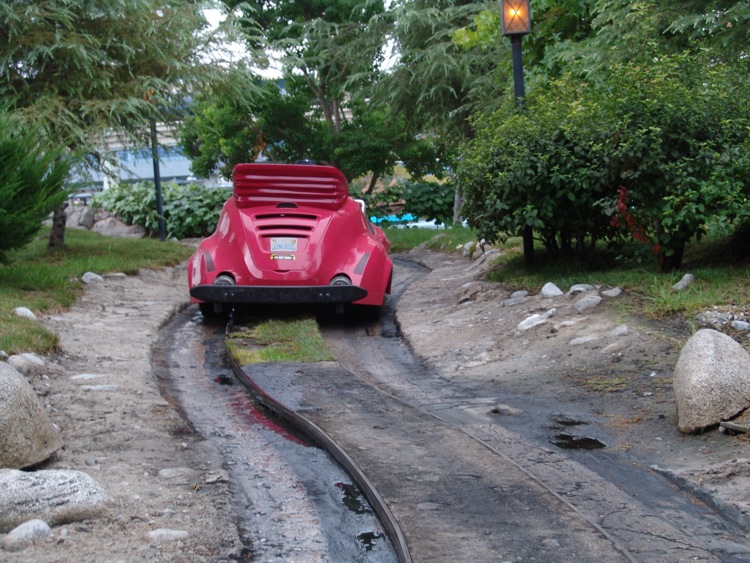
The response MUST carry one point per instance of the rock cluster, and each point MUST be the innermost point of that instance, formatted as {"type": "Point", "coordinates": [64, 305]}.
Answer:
{"type": "Point", "coordinates": [100, 221]}
{"type": "Point", "coordinates": [31, 501]}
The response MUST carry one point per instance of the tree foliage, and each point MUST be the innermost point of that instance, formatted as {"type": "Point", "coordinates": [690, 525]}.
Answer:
{"type": "Point", "coordinates": [659, 153]}
{"type": "Point", "coordinates": [83, 69]}
{"type": "Point", "coordinates": [31, 183]}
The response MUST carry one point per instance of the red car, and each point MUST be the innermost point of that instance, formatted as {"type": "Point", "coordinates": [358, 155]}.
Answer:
{"type": "Point", "coordinates": [290, 233]}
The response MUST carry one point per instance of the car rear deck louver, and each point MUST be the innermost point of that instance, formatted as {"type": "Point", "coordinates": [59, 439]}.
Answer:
{"type": "Point", "coordinates": [290, 222]}
{"type": "Point", "coordinates": [285, 227]}
{"type": "Point", "coordinates": [276, 216]}
{"type": "Point", "coordinates": [322, 187]}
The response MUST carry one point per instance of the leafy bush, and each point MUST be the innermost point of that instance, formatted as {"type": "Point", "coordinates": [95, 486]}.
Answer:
{"type": "Point", "coordinates": [430, 200]}
{"type": "Point", "coordinates": [189, 210]}
{"type": "Point", "coordinates": [656, 152]}
{"type": "Point", "coordinates": [31, 184]}
{"type": "Point", "coordinates": [426, 200]}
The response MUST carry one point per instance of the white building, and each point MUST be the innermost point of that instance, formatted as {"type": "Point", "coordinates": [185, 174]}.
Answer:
{"type": "Point", "coordinates": [129, 164]}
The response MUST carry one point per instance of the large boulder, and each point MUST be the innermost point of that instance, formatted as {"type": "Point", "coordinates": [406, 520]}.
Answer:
{"type": "Point", "coordinates": [80, 216]}
{"type": "Point", "coordinates": [27, 436]}
{"type": "Point", "coordinates": [711, 381]}
{"type": "Point", "coordinates": [115, 228]}
{"type": "Point", "coordinates": [55, 496]}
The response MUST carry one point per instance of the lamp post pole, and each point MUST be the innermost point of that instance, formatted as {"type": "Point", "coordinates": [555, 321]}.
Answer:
{"type": "Point", "coordinates": [516, 22]}
{"type": "Point", "coordinates": [517, 57]}
{"type": "Point", "coordinates": [157, 179]}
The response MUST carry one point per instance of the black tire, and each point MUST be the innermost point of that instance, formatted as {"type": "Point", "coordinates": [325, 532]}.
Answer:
{"type": "Point", "coordinates": [213, 310]}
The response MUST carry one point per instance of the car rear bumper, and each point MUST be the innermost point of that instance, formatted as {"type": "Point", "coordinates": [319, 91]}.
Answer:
{"type": "Point", "coordinates": [278, 294]}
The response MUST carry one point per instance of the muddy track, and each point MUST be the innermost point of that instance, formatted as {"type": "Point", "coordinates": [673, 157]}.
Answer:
{"type": "Point", "coordinates": [464, 486]}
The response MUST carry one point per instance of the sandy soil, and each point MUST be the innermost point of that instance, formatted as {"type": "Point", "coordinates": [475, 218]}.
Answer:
{"type": "Point", "coordinates": [117, 426]}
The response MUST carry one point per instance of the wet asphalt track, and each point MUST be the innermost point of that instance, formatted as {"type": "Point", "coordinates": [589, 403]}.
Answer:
{"type": "Point", "coordinates": [460, 485]}
{"type": "Point", "coordinates": [292, 501]}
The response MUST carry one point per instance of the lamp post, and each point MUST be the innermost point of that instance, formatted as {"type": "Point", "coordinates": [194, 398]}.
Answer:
{"type": "Point", "coordinates": [150, 96]}
{"type": "Point", "coordinates": [157, 178]}
{"type": "Point", "coordinates": [516, 22]}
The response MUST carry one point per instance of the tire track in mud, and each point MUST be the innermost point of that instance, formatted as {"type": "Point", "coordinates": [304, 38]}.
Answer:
{"type": "Point", "coordinates": [462, 486]}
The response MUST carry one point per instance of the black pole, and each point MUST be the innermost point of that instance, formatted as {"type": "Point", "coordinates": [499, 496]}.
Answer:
{"type": "Point", "coordinates": [517, 54]}
{"type": "Point", "coordinates": [518, 88]}
{"type": "Point", "coordinates": [157, 179]}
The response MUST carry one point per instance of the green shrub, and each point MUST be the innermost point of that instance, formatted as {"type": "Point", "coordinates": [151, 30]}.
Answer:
{"type": "Point", "coordinates": [656, 152]}
{"type": "Point", "coordinates": [425, 200]}
{"type": "Point", "coordinates": [31, 184]}
{"type": "Point", "coordinates": [189, 210]}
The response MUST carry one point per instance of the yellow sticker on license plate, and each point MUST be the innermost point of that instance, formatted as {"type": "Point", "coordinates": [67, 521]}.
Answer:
{"type": "Point", "coordinates": [284, 244]}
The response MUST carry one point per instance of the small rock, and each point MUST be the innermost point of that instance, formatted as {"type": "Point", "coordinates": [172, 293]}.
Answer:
{"type": "Point", "coordinates": [583, 340]}
{"type": "Point", "coordinates": [614, 292]}
{"type": "Point", "coordinates": [588, 301]}
{"type": "Point", "coordinates": [87, 376]}
{"type": "Point", "coordinates": [91, 277]}
{"type": "Point", "coordinates": [26, 362]}
{"type": "Point", "coordinates": [517, 294]}
{"type": "Point", "coordinates": [580, 288]}
{"type": "Point", "coordinates": [536, 320]}
{"type": "Point", "coordinates": [166, 534]}
{"type": "Point", "coordinates": [621, 330]}
{"type": "Point", "coordinates": [23, 536]}
{"type": "Point", "coordinates": [469, 248]}
{"type": "Point", "coordinates": [686, 280]}
{"type": "Point", "coordinates": [532, 321]}
{"type": "Point", "coordinates": [740, 325]}
{"type": "Point", "coordinates": [550, 290]}
{"type": "Point", "coordinates": [25, 313]}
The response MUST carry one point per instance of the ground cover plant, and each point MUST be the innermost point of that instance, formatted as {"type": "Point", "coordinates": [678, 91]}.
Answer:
{"type": "Point", "coordinates": [720, 281]}
{"type": "Point", "coordinates": [294, 339]}
{"type": "Point", "coordinates": [45, 281]}
{"type": "Point", "coordinates": [190, 210]}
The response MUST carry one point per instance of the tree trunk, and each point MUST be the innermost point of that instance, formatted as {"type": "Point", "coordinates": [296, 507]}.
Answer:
{"type": "Point", "coordinates": [57, 234]}
{"type": "Point", "coordinates": [458, 203]}
{"type": "Point", "coordinates": [673, 261]}
{"type": "Point", "coordinates": [528, 247]}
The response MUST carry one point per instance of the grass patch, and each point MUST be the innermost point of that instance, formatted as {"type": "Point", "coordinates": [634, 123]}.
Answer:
{"type": "Point", "coordinates": [718, 281]}
{"type": "Point", "coordinates": [46, 281]}
{"type": "Point", "coordinates": [278, 340]}
{"type": "Point", "coordinates": [605, 384]}
{"type": "Point", "coordinates": [443, 240]}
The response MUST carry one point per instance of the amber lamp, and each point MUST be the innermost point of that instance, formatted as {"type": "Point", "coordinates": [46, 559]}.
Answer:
{"type": "Point", "coordinates": [516, 17]}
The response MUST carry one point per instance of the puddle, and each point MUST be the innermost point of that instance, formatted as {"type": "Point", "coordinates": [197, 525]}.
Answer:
{"type": "Point", "coordinates": [352, 498]}
{"type": "Point", "coordinates": [573, 442]}
{"type": "Point", "coordinates": [369, 539]}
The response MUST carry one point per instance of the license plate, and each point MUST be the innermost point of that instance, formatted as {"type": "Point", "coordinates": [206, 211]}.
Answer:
{"type": "Point", "coordinates": [283, 245]}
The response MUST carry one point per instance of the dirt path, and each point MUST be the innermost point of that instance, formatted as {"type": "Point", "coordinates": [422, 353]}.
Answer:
{"type": "Point", "coordinates": [169, 501]}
